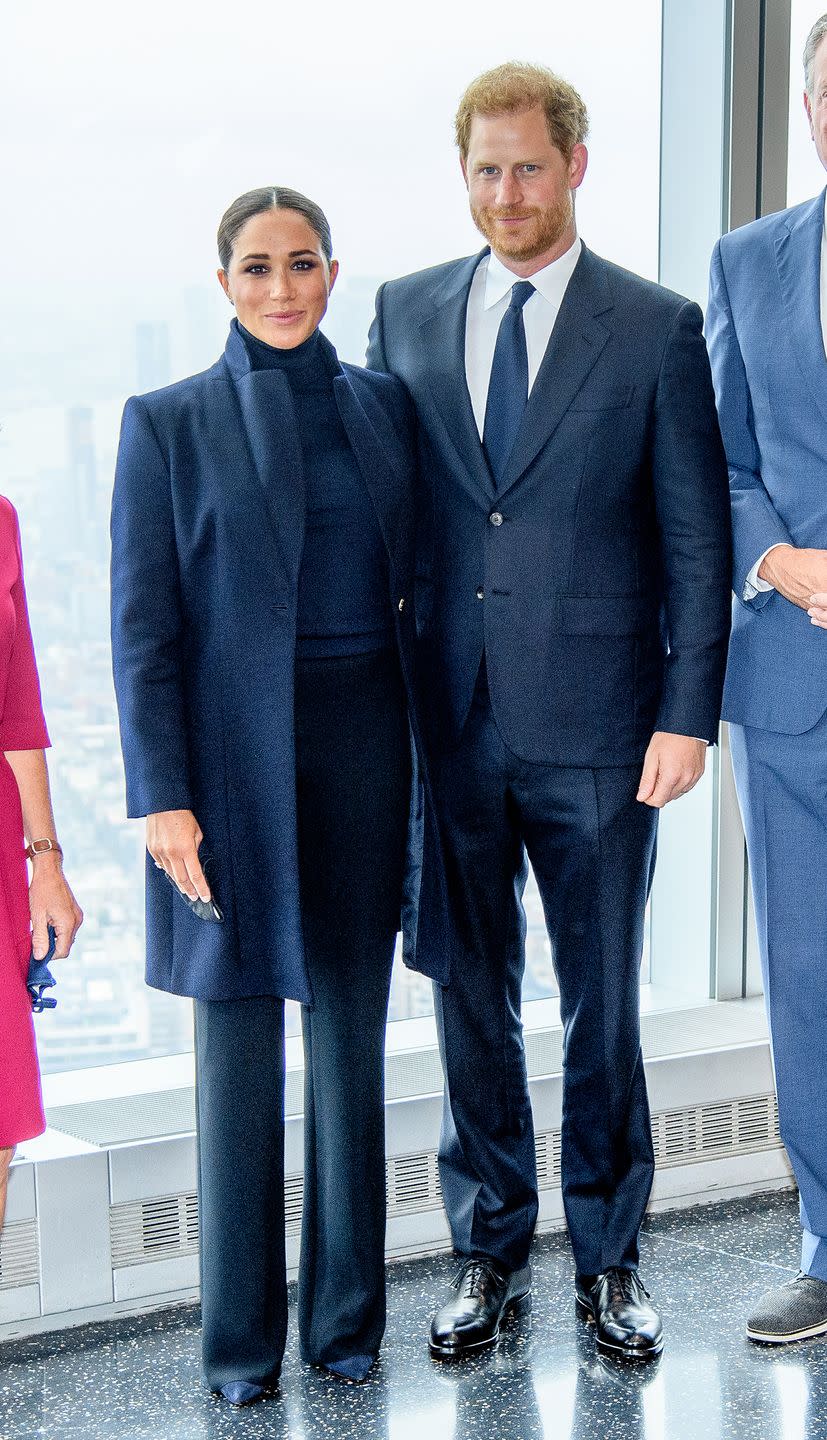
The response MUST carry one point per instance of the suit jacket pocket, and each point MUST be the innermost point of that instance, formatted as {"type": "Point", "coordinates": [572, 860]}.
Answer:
{"type": "Point", "coordinates": [606, 614]}
{"type": "Point", "coordinates": [607, 397]}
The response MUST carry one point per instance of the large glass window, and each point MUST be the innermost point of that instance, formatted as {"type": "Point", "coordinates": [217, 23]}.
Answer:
{"type": "Point", "coordinates": [805, 176]}
{"type": "Point", "coordinates": [142, 123]}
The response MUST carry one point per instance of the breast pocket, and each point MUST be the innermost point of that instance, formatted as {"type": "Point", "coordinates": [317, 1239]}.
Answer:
{"type": "Point", "coordinates": [612, 397]}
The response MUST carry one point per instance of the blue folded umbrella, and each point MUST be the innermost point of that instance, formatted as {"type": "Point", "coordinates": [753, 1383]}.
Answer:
{"type": "Point", "coordinates": [40, 978]}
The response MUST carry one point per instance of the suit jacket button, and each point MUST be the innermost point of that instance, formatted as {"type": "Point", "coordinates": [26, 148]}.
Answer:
{"type": "Point", "coordinates": [402, 604]}
{"type": "Point", "coordinates": [496, 518]}
{"type": "Point", "coordinates": [480, 594]}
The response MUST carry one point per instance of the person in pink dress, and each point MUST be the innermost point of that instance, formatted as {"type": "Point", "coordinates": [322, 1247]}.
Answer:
{"type": "Point", "coordinates": [27, 830]}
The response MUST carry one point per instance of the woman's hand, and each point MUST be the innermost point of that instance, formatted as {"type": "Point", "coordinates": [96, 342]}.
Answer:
{"type": "Point", "coordinates": [172, 839]}
{"type": "Point", "coordinates": [51, 902]}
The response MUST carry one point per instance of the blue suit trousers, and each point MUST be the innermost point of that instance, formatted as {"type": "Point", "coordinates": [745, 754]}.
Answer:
{"type": "Point", "coordinates": [592, 847]}
{"type": "Point", "coordinates": [782, 788]}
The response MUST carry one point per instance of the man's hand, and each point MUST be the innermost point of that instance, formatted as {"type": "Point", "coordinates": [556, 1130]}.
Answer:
{"type": "Point", "coordinates": [799, 575]}
{"type": "Point", "coordinates": [673, 764]}
{"type": "Point", "coordinates": [817, 610]}
{"type": "Point", "coordinates": [172, 839]}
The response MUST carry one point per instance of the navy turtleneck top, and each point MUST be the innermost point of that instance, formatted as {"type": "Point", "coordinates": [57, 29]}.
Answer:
{"type": "Point", "coordinates": [343, 603]}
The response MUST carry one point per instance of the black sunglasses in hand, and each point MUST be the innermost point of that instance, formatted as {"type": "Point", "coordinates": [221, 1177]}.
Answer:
{"type": "Point", "coordinates": [203, 909]}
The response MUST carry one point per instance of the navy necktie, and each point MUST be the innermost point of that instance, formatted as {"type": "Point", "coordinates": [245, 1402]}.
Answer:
{"type": "Point", "coordinates": [508, 386]}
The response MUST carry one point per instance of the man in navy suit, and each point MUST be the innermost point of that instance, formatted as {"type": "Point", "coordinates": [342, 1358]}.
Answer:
{"type": "Point", "coordinates": [767, 330]}
{"type": "Point", "coordinates": [574, 612]}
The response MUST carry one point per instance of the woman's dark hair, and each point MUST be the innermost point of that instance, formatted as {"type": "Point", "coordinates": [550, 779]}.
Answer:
{"type": "Point", "coordinates": [270, 197]}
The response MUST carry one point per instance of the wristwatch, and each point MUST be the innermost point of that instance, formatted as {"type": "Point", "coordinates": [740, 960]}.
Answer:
{"type": "Point", "coordinates": [42, 847]}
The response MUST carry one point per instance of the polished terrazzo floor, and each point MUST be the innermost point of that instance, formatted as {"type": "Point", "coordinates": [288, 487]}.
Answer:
{"type": "Point", "coordinates": [138, 1380]}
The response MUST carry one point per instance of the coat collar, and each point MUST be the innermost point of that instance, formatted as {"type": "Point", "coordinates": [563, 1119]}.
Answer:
{"type": "Point", "coordinates": [237, 356]}
{"type": "Point", "coordinates": [386, 469]}
{"type": "Point", "coordinates": [268, 422]}
{"type": "Point", "coordinates": [270, 437]}
{"type": "Point", "coordinates": [798, 257]}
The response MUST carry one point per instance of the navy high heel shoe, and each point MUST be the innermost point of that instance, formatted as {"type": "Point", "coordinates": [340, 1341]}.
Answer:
{"type": "Point", "coordinates": [241, 1392]}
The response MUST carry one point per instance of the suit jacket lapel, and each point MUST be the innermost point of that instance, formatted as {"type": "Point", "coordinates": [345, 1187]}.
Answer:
{"type": "Point", "coordinates": [443, 340]}
{"type": "Point", "coordinates": [579, 335]}
{"type": "Point", "coordinates": [273, 449]}
{"type": "Point", "coordinates": [798, 256]}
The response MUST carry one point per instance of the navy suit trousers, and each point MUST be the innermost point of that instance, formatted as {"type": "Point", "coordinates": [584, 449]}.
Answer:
{"type": "Point", "coordinates": [592, 847]}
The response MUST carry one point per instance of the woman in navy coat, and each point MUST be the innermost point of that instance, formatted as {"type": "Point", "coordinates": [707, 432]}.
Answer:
{"type": "Point", "coordinates": [262, 635]}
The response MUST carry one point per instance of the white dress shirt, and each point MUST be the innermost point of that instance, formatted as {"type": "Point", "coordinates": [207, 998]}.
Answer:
{"type": "Point", "coordinates": [488, 300]}
{"type": "Point", "coordinates": [753, 585]}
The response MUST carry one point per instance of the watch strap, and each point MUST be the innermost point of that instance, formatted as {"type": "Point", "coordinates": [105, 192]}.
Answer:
{"type": "Point", "coordinates": [42, 847]}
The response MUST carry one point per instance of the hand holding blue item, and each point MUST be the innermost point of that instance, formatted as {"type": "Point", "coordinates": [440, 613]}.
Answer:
{"type": "Point", "coordinates": [40, 978]}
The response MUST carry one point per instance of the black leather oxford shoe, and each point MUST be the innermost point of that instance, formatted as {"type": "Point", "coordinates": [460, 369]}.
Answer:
{"type": "Point", "coordinates": [479, 1298]}
{"type": "Point", "coordinates": [618, 1306]}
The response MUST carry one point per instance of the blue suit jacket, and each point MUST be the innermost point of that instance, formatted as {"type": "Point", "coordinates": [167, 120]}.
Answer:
{"type": "Point", "coordinates": [770, 371]}
{"type": "Point", "coordinates": [207, 534]}
{"type": "Point", "coordinates": [605, 590]}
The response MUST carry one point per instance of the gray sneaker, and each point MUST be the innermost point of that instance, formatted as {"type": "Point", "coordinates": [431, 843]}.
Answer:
{"type": "Point", "coordinates": [795, 1311]}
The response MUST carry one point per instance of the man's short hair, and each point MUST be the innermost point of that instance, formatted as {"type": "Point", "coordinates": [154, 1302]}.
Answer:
{"type": "Point", "coordinates": [514, 87]}
{"type": "Point", "coordinates": [814, 39]}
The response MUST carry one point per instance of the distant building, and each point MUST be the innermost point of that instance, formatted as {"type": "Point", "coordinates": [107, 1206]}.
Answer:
{"type": "Point", "coordinates": [82, 466]}
{"type": "Point", "coordinates": [206, 320]}
{"type": "Point", "coordinates": [152, 356]}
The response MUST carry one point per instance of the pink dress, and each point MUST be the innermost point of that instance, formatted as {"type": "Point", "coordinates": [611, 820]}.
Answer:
{"type": "Point", "coordinates": [22, 727]}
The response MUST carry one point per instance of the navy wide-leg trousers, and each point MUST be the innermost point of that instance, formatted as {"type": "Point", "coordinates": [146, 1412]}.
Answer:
{"type": "Point", "coordinates": [591, 845]}
{"type": "Point", "coordinates": [353, 796]}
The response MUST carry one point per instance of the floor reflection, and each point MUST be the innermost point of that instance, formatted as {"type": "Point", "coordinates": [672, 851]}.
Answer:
{"type": "Point", "coordinates": [138, 1379]}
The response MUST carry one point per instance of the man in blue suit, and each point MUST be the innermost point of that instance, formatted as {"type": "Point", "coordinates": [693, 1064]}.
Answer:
{"type": "Point", "coordinates": [766, 326]}
{"type": "Point", "coordinates": [574, 612]}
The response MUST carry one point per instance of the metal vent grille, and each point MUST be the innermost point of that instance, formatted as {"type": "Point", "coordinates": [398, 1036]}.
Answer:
{"type": "Point", "coordinates": [735, 1127]}
{"type": "Point", "coordinates": [413, 1183]}
{"type": "Point", "coordinates": [19, 1257]}
{"type": "Point", "coordinates": [293, 1201]}
{"type": "Point", "coordinates": [547, 1145]}
{"type": "Point", "coordinates": [154, 1229]}
{"type": "Point", "coordinates": [167, 1226]}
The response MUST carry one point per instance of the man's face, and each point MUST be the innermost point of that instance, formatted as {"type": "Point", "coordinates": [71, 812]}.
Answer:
{"type": "Point", "coordinates": [816, 104]}
{"type": "Point", "coordinates": [520, 186]}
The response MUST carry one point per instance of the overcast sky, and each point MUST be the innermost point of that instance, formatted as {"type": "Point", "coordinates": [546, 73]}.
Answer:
{"type": "Point", "coordinates": [134, 126]}
{"type": "Point", "coordinates": [128, 128]}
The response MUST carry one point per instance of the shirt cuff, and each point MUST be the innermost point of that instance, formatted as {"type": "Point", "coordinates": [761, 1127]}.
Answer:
{"type": "Point", "coordinates": [753, 585]}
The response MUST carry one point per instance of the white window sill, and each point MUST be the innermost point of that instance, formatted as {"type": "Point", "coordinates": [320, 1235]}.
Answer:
{"type": "Point", "coordinates": [671, 1025]}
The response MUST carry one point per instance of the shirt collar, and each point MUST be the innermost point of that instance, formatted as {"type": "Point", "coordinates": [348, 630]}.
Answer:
{"type": "Point", "coordinates": [551, 281]}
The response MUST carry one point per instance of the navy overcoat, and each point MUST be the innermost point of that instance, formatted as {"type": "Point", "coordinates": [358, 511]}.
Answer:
{"type": "Point", "coordinates": [207, 534]}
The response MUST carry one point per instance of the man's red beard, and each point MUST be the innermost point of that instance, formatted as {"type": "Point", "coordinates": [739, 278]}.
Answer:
{"type": "Point", "coordinates": [533, 239]}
